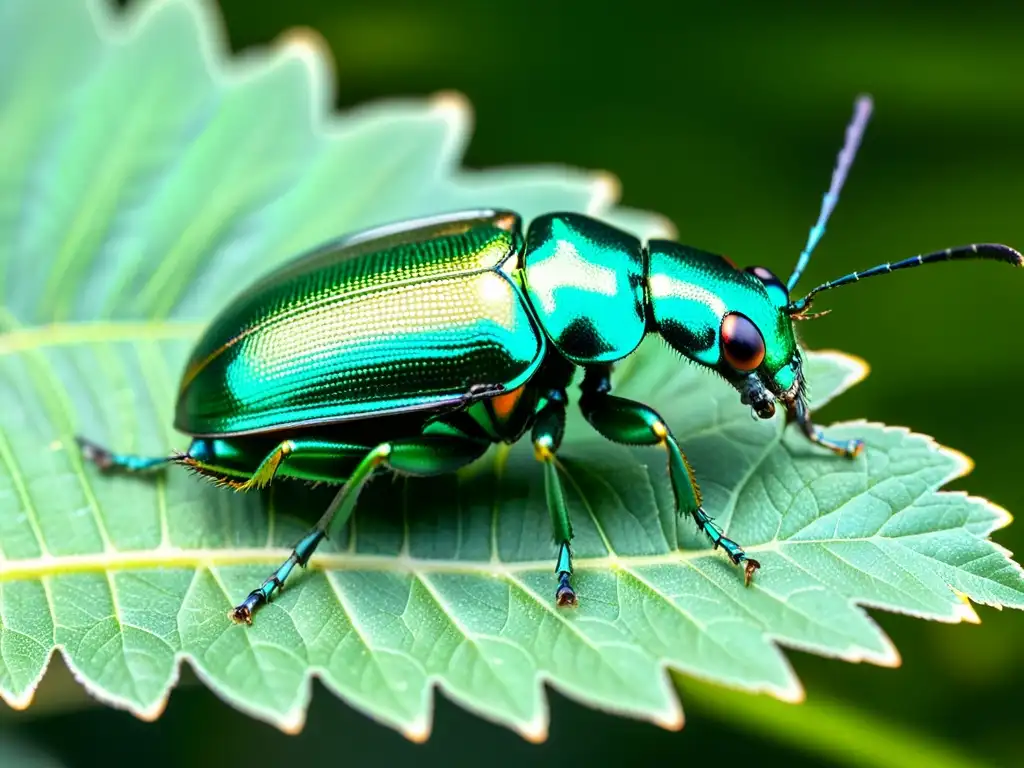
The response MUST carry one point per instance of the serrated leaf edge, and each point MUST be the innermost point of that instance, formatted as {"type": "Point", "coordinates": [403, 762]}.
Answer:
{"type": "Point", "coordinates": [535, 731]}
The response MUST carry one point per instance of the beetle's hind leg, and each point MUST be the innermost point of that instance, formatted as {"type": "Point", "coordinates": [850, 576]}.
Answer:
{"type": "Point", "coordinates": [434, 454]}
{"type": "Point", "coordinates": [108, 460]}
{"type": "Point", "coordinates": [631, 423]}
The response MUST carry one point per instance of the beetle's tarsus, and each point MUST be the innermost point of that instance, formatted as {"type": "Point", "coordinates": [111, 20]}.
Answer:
{"type": "Point", "coordinates": [107, 461]}
{"type": "Point", "coordinates": [242, 614]}
{"type": "Point", "coordinates": [748, 570]}
{"type": "Point", "coordinates": [851, 449]}
{"type": "Point", "coordinates": [95, 453]}
{"type": "Point", "coordinates": [565, 595]}
{"type": "Point", "coordinates": [797, 413]}
{"type": "Point", "coordinates": [735, 552]}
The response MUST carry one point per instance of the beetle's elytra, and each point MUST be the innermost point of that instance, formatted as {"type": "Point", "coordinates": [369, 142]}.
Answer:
{"type": "Point", "coordinates": [413, 347]}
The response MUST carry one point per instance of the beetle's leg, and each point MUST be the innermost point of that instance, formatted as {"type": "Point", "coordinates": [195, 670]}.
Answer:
{"type": "Point", "coordinates": [631, 423]}
{"type": "Point", "coordinates": [265, 472]}
{"type": "Point", "coordinates": [798, 412]}
{"type": "Point", "coordinates": [107, 460]}
{"type": "Point", "coordinates": [343, 502]}
{"type": "Point", "coordinates": [548, 429]}
{"type": "Point", "coordinates": [423, 455]}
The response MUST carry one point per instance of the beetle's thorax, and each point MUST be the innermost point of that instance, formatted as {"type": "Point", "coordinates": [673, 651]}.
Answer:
{"type": "Point", "coordinates": [597, 291]}
{"type": "Point", "coordinates": [585, 282]}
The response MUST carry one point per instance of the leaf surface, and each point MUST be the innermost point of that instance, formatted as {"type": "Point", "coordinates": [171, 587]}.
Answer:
{"type": "Point", "coordinates": [144, 179]}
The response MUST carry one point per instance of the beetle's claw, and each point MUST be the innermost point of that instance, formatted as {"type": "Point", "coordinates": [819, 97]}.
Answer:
{"type": "Point", "coordinates": [748, 570]}
{"type": "Point", "coordinates": [242, 614]}
{"type": "Point", "coordinates": [97, 454]}
{"type": "Point", "coordinates": [565, 595]}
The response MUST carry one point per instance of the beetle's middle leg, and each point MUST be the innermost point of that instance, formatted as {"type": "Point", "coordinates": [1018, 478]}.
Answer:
{"type": "Point", "coordinates": [631, 423]}
{"type": "Point", "coordinates": [548, 429]}
{"type": "Point", "coordinates": [433, 454]}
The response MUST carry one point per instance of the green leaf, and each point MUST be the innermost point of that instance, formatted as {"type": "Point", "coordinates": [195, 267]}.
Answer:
{"type": "Point", "coordinates": [144, 179]}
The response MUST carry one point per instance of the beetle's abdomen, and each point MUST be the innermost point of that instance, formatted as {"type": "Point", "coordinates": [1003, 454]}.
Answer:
{"type": "Point", "coordinates": [416, 325]}
{"type": "Point", "coordinates": [585, 282]}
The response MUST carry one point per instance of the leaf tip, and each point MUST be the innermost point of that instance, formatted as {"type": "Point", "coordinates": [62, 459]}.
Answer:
{"type": "Point", "coordinates": [456, 111]}
{"type": "Point", "coordinates": [450, 101]}
{"type": "Point", "coordinates": [890, 657]}
{"type": "Point", "coordinates": [793, 693]}
{"type": "Point", "coordinates": [671, 720]}
{"type": "Point", "coordinates": [1000, 516]}
{"type": "Point", "coordinates": [418, 731]}
{"type": "Point", "coordinates": [306, 44]}
{"type": "Point", "coordinates": [667, 228]}
{"type": "Point", "coordinates": [1003, 516]}
{"type": "Point", "coordinates": [607, 189]}
{"type": "Point", "coordinates": [534, 731]}
{"type": "Point", "coordinates": [293, 722]}
{"type": "Point", "coordinates": [454, 107]}
{"type": "Point", "coordinates": [152, 714]}
{"type": "Point", "coordinates": [964, 463]}
{"type": "Point", "coordinates": [20, 701]}
{"type": "Point", "coordinates": [963, 610]}
{"type": "Point", "coordinates": [857, 367]}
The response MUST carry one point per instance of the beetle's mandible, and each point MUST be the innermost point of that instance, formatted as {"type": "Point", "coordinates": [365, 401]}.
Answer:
{"type": "Point", "coordinates": [414, 347]}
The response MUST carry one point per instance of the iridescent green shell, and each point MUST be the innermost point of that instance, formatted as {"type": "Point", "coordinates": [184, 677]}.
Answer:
{"type": "Point", "coordinates": [585, 281]}
{"type": "Point", "coordinates": [415, 316]}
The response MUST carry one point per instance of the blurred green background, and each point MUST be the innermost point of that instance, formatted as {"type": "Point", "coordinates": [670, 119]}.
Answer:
{"type": "Point", "coordinates": [726, 118]}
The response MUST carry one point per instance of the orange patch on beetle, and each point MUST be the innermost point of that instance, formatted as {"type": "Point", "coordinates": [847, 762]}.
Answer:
{"type": "Point", "coordinates": [503, 406]}
{"type": "Point", "coordinates": [506, 221]}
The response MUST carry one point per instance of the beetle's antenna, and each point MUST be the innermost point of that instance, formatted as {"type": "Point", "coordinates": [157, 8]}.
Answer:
{"type": "Point", "coordinates": [854, 132]}
{"type": "Point", "coordinates": [987, 251]}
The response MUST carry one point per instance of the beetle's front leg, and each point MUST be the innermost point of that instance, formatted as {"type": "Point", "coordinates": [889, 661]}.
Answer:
{"type": "Point", "coordinates": [631, 423]}
{"type": "Point", "coordinates": [798, 412]}
{"type": "Point", "coordinates": [548, 429]}
{"type": "Point", "coordinates": [424, 455]}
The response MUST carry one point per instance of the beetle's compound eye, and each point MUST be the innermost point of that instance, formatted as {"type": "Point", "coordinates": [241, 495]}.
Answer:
{"type": "Point", "coordinates": [742, 343]}
{"type": "Point", "coordinates": [770, 281]}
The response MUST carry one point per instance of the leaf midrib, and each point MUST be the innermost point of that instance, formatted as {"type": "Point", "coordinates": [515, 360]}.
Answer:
{"type": "Point", "coordinates": [26, 339]}
{"type": "Point", "coordinates": [168, 557]}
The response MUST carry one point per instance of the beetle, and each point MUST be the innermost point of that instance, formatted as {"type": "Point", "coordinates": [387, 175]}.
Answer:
{"type": "Point", "coordinates": [415, 346]}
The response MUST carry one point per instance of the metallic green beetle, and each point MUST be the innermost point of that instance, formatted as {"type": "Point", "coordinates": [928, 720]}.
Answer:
{"type": "Point", "coordinates": [414, 347]}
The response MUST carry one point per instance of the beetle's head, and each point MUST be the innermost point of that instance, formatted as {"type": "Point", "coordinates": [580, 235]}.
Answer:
{"type": "Point", "coordinates": [762, 359]}
{"type": "Point", "coordinates": [732, 321]}
{"type": "Point", "coordinates": [740, 323]}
